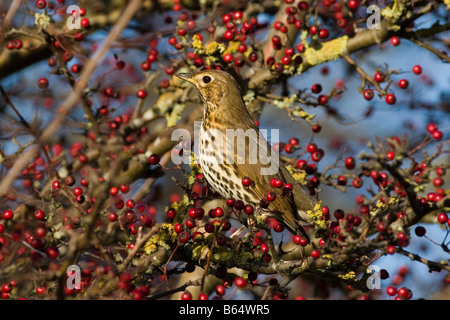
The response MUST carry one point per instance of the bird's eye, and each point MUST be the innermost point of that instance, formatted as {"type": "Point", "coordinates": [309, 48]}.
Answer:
{"type": "Point", "coordinates": [206, 79]}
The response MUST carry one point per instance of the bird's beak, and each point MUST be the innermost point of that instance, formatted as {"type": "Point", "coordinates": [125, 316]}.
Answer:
{"type": "Point", "coordinates": [186, 76]}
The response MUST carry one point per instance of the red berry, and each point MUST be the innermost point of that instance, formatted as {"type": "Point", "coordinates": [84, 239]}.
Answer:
{"type": "Point", "coordinates": [39, 214]}
{"type": "Point", "coordinates": [417, 69]}
{"type": "Point", "coordinates": [286, 60]}
{"type": "Point", "coordinates": [183, 237]}
{"type": "Point", "coordinates": [182, 32]}
{"type": "Point", "coordinates": [112, 216]}
{"type": "Point", "coordinates": [85, 23]}
{"type": "Point", "coordinates": [289, 148]}
{"type": "Point", "coordinates": [350, 163]}
{"type": "Point", "coordinates": [297, 239]}
{"type": "Point", "coordinates": [220, 290]}
{"type": "Point", "coordinates": [390, 98]}
{"type": "Point", "coordinates": [390, 155]}
{"type": "Point", "coordinates": [278, 227]}
{"type": "Point", "coordinates": [202, 296]}
{"type": "Point", "coordinates": [357, 182]}
{"type": "Point", "coordinates": [113, 191]}
{"type": "Point", "coordinates": [437, 135]}
{"type": "Point", "coordinates": [41, 4]}
{"type": "Point", "coordinates": [322, 99]}
{"type": "Point", "coordinates": [437, 182]}
{"type": "Point", "coordinates": [316, 88]}
{"type": "Point", "coordinates": [218, 212]}
{"type": "Point", "coordinates": [130, 204]}
{"type": "Point", "coordinates": [311, 147]}
{"type": "Point", "coordinates": [323, 33]}
{"type": "Point", "coordinates": [228, 35]}
{"type": "Point", "coordinates": [379, 76]}
{"type": "Point", "coordinates": [8, 215]}
{"type": "Point", "coordinates": [240, 282]}
{"type": "Point", "coordinates": [368, 94]}
{"type": "Point", "coordinates": [246, 181]}
{"type": "Point", "coordinates": [43, 83]}
{"type": "Point", "coordinates": [403, 83]}
{"type": "Point", "coordinates": [442, 218]}
{"type": "Point", "coordinates": [315, 253]}
{"type": "Point", "coordinates": [431, 127]}
{"type": "Point", "coordinates": [249, 209]}
{"type": "Point", "coordinates": [342, 180]}
{"type": "Point", "coordinates": [391, 249]}
{"type": "Point", "coordinates": [154, 159]}
{"type": "Point", "coordinates": [171, 213]}
{"type": "Point", "coordinates": [186, 295]}
{"type": "Point", "coordinates": [55, 185]}
{"type": "Point", "coordinates": [395, 41]}
{"type": "Point", "coordinates": [391, 291]}
{"type": "Point", "coordinates": [141, 94]}
{"type": "Point", "coordinates": [352, 4]}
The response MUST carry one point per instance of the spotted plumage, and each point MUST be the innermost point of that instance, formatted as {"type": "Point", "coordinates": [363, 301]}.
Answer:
{"type": "Point", "coordinates": [221, 157]}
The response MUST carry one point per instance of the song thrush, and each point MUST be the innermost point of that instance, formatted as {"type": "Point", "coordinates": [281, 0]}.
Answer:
{"type": "Point", "coordinates": [275, 193]}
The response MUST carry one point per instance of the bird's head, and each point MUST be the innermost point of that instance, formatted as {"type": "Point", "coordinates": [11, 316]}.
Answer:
{"type": "Point", "coordinates": [213, 85]}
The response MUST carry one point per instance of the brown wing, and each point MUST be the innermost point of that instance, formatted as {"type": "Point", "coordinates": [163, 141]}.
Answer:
{"type": "Point", "coordinates": [290, 208]}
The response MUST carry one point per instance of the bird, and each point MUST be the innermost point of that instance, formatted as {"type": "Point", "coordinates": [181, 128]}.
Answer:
{"type": "Point", "coordinates": [276, 193]}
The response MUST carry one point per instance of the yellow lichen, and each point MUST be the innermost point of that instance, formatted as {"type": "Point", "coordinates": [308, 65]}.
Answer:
{"type": "Point", "coordinates": [393, 12]}
{"type": "Point", "coordinates": [165, 237]}
{"type": "Point", "coordinates": [222, 254]}
{"type": "Point", "coordinates": [304, 115]}
{"type": "Point", "coordinates": [330, 50]}
{"type": "Point", "coordinates": [183, 204]}
{"type": "Point", "coordinates": [197, 44]}
{"type": "Point", "coordinates": [198, 251]}
{"type": "Point", "coordinates": [42, 20]}
{"type": "Point", "coordinates": [447, 3]}
{"type": "Point", "coordinates": [210, 49]}
{"type": "Point", "coordinates": [348, 276]}
{"type": "Point", "coordinates": [316, 215]}
{"type": "Point", "coordinates": [299, 176]}
{"type": "Point", "coordinates": [175, 115]}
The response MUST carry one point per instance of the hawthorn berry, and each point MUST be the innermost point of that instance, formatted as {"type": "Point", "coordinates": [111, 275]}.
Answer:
{"type": "Point", "coordinates": [357, 182]}
{"type": "Point", "coordinates": [442, 218]}
{"type": "Point", "coordinates": [379, 76]}
{"type": "Point", "coordinates": [186, 295]}
{"type": "Point", "coordinates": [43, 83]}
{"type": "Point", "coordinates": [154, 159]}
{"type": "Point", "coordinates": [437, 135]}
{"type": "Point", "coordinates": [350, 163]}
{"type": "Point", "coordinates": [403, 83]}
{"type": "Point", "coordinates": [390, 155]}
{"type": "Point", "coordinates": [368, 94]}
{"type": "Point", "coordinates": [41, 4]}
{"type": "Point", "coordinates": [85, 23]}
{"type": "Point", "coordinates": [390, 98]}
{"type": "Point", "coordinates": [246, 181]}
{"type": "Point", "coordinates": [352, 4]}
{"type": "Point", "coordinates": [316, 88]}
{"type": "Point", "coordinates": [417, 69]}
{"type": "Point", "coordinates": [141, 94]}
{"type": "Point", "coordinates": [395, 41]}
{"type": "Point", "coordinates": [315, 253]}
